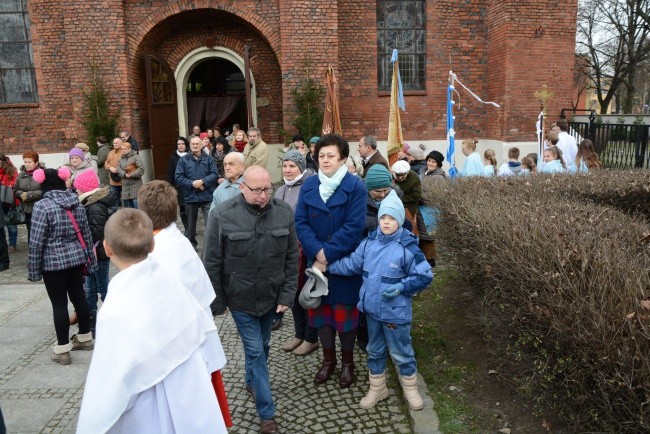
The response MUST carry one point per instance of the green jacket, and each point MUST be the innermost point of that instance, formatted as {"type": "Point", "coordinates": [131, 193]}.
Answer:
{"type": "Point", "coordinates": [412, 188]}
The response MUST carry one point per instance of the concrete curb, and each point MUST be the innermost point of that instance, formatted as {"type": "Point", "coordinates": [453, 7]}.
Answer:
{"type": "Point", "coordinates": [424, 421]}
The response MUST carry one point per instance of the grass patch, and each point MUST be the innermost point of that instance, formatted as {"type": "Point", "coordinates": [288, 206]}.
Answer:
{"type": "Point", "coordinates": [434, 364]}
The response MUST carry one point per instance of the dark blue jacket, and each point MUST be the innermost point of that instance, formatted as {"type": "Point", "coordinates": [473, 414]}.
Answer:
{"type": "Point", "coordinates": [335, 227]}
{"type": "Point", "coordinates": [191, 168]}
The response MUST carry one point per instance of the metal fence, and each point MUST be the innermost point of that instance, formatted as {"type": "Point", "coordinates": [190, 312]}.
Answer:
{"type": "Point", "coordinates": [619, 146]}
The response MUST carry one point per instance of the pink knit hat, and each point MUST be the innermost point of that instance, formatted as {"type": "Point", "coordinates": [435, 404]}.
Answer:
{"type": "Point", "coordinates": [203, 136]}
{"type": "Point", "coordinates": [86, 181]}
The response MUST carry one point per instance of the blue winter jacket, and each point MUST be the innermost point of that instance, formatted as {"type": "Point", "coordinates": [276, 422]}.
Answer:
{"type": "Point", "coordinates": [191, 168]}
{"type": "Point", "coordinates": [335, 227]}
{"type": "Point", "coordinates": [386, 260]}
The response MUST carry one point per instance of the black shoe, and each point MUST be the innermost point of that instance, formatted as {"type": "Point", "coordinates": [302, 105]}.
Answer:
{"type": "Point", "coordinates": [4, 267]}
{"type": "Point", "coordinates": [277, 324]}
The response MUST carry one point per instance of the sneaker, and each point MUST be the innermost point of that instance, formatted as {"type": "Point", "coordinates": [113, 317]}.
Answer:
{"type": "Point", "coordinates": [306, 348]}
{"type": "Point", "coordinates": [269, 427]}
{"type": "Point", "coordinates": [277, 324]}
{"type": "Point", "coordinates": [82, 342]}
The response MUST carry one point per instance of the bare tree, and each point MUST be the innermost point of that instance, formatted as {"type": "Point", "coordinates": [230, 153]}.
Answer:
{"type": "Point", "coordinates": [580, 79]}
{"type": "Point", "coordinates": [613, 35]}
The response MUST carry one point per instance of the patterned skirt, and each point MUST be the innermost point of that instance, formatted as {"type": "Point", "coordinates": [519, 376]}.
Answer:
{"type": "Point", "coordinates": [343, 317]}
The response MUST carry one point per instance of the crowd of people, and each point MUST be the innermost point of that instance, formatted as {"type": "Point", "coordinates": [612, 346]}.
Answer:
{"type": "Point", "coordinates": [344, 243]}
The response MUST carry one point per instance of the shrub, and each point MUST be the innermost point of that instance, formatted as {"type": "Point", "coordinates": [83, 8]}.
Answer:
{"type": "Point", "coordinates": [628, 191]}
{"type": "Point", "coordinates": [573, 279]}
{"type": "Point", "coordinates": [99, 120]}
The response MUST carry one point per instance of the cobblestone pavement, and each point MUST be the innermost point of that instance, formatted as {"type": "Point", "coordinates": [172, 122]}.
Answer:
{"type": "Point", "coordinates": [39, 396]}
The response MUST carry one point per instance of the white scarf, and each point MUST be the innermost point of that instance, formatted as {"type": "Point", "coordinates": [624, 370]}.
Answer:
{"type": "Point", "coordinates": [328, 185]}
{"type": "Point", "coordinates": [296, 179]}
{"type": "Point", "coordinates": [181, 154]}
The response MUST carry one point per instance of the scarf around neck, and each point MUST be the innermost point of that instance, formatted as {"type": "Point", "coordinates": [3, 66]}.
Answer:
{"type": "Point", "coordinates": [296, 179]}
{"type": "Point", "coordinates": [328, 185]}
{"type": "Point", "coordinates": [181, 154]}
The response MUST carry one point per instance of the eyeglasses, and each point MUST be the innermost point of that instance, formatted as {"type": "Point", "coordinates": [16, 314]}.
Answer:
{"type": "Point", "coordinates": [258, 191]}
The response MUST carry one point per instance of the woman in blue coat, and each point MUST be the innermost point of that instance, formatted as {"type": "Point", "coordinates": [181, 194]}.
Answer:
{"type": "Point", "coordinates": [330, 217]}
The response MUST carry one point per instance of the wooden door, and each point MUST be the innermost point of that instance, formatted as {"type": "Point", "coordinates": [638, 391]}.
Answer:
{"type": "Point", "coordinates": [163, 114]}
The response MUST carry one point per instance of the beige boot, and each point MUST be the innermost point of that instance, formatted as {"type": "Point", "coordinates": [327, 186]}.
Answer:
{"type": "Point", "coordinates": [411, 393]}
{"type": "Point", "coordinates": [377, 391]}
{"type": "Point", "coordinates": [61, 354]}
{"type": "Point", "coordinates": [82, 342]}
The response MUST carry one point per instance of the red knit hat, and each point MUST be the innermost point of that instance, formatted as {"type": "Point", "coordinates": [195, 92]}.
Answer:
{"type": "Point", "coordinates": [86, 181]}
{"type": "Point", "coordinates": [203, 136]}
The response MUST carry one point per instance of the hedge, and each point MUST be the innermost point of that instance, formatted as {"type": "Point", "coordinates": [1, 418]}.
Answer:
{"type": "Point", "coordinates": [573, 278]}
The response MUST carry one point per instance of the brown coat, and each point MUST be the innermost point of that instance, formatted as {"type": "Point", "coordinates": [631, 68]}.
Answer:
{"type": "Point", "coordinates": [112, 161]}
{"type": "Point", "coordinates": [376, 158]}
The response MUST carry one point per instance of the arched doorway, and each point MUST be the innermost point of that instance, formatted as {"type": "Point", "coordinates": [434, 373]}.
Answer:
{"type": "Point", "coordinates": [210, 89]}
{"type": "Point", "coordinates": [216, 95]}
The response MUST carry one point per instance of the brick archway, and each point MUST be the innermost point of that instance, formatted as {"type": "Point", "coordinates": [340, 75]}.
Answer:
{"type": "Point", "coordinates": [264, 28]}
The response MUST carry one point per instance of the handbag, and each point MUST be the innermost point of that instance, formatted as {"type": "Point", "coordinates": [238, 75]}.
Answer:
{"type": "Point", "coordinates": [7, 194]}
{"type": "Point", "coordinates": [88, 267]}
{"type": "Point", "coordinates": [15, 215]}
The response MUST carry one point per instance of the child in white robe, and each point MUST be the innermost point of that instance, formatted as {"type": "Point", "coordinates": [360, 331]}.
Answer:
{"type": "Point", "coordinates": [172, 250]}
{"type": "Point", "coordinates": [148, 372]}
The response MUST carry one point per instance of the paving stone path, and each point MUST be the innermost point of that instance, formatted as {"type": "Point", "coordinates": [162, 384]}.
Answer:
{"type": "Point", "coordinates": [39, 396]}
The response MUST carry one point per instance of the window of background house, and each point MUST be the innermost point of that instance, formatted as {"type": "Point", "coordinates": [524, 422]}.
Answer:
{"type": "Point", "coordinates": [17, 79]}
{"type": "Point", "coordinates": [401, 25]}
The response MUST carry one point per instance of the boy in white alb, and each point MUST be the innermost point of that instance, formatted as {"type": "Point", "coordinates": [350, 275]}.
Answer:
{"type": "Point", "coordinates": [148, 373]}
{"type": "Point", "coordinates": [174, 252]}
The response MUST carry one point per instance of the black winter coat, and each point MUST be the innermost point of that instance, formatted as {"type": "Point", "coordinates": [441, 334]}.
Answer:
{"type": "Point", "coordinates": [97, 204]}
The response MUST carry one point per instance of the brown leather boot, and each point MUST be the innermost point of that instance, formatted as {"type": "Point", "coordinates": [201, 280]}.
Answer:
{"type": "Point", "coordinates": [347, 369]}
{"type": "Point", "coordinates": [326, 369]}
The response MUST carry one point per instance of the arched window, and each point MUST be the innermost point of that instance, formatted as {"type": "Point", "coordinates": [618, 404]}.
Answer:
{"type": "Point", "coordinates": [401, 24]}
{"type": "Point", "coordinates": [17, 78]}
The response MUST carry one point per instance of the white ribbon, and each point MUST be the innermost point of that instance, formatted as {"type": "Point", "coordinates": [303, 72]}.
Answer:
{"type": "Point", "coordinates": [455, 78]}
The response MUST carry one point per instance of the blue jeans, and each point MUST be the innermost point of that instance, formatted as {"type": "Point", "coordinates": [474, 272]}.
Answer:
{"type": "Point", "coordinates": [116, 191]}
{"type": "Point", "coordinates": [130, 203]}
{"type": "Point", "coordinates": [13, 234]}
{"type": "Point", "coordinates": [255, 334]}
{"type": "Point", "coordinates": [394, 338]}
{"type": "Point", "coordinates": [97, 283]}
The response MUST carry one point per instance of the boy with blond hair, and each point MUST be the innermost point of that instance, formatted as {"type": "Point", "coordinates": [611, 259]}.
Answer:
{"type": "Point", "coordinates": [148, 372]}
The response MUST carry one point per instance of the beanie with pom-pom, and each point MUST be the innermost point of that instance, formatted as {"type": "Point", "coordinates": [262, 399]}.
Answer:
{"type": "Point", "coordinates": [51, 179]}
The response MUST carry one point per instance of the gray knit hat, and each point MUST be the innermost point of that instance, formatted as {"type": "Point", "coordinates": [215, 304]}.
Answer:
{"type": "Point", "coordinates": [315, 287]}
{"type": "Point", "coordinates": [297, 158]}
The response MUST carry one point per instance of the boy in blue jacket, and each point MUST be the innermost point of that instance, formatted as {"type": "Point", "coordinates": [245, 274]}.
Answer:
{"type": "Point", "coordinates": [394, 269]}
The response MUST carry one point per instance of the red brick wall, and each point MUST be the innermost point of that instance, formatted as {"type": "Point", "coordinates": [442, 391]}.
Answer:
{"type": "Point", "coordinates": [503, 50]}
{"type": "Point", "coordinates": [67, 36]}
{"type": "Point", "coordinates": [530, 44]}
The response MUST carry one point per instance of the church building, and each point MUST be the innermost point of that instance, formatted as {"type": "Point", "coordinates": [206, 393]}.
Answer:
{"type": "Point", "coordinates": [171, 64]}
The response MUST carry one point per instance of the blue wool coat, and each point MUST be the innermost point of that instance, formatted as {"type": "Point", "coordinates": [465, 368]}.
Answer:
{"type": "Point", "coordinates": [335, 227]}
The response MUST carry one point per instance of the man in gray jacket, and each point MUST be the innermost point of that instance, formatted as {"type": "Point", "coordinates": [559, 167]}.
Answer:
{"type": "Point", "coordinates": [251, 256]}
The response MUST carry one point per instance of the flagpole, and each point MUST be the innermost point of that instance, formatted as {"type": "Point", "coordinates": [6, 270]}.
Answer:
{"type": "Point", "coordinates": [451, 147]}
